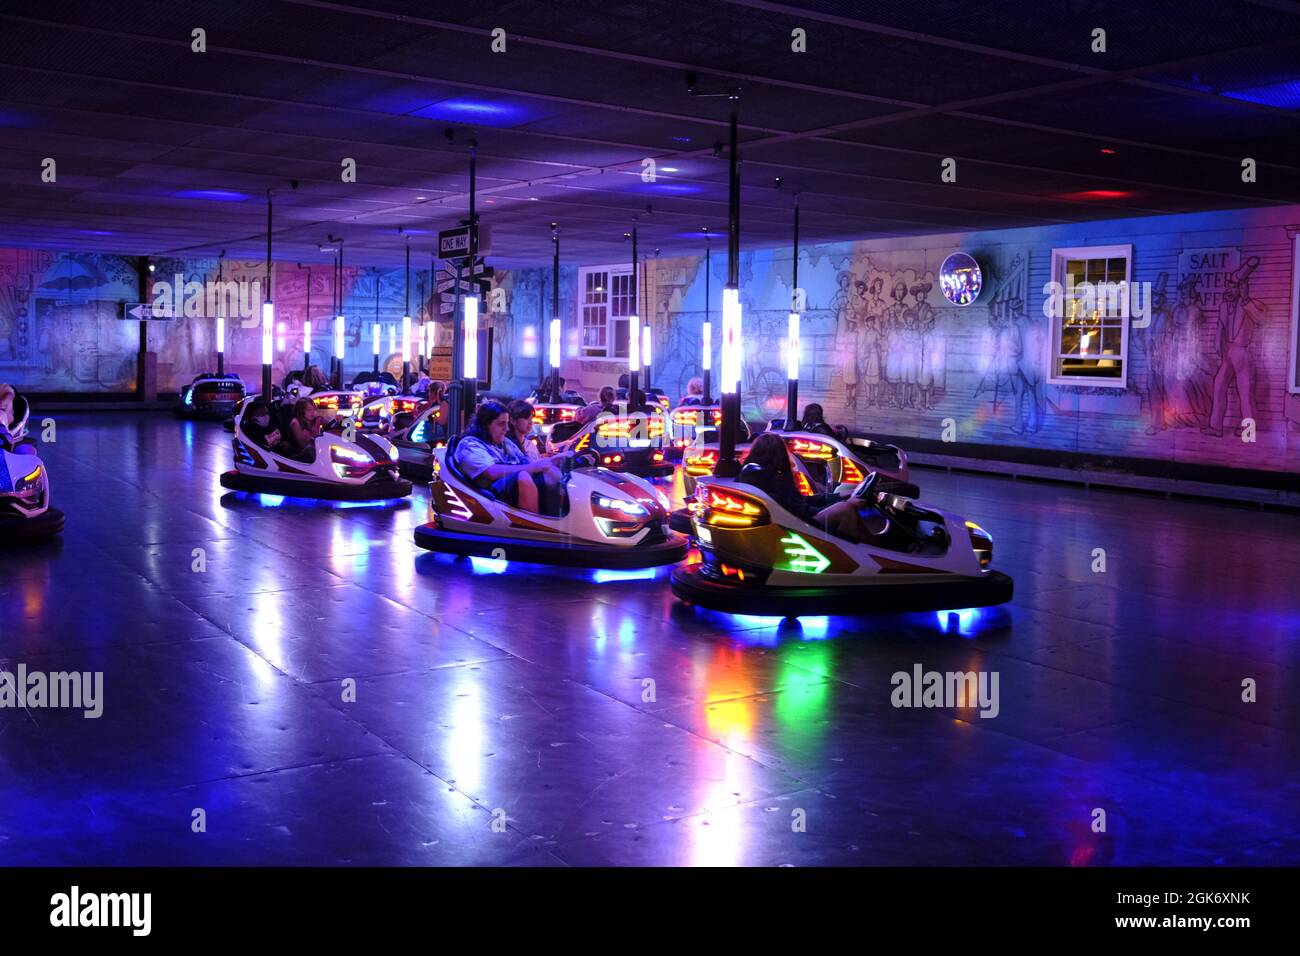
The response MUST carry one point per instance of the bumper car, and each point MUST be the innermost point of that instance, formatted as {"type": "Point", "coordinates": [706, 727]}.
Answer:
{"type": "Point", "coordinates": [632, 442]}
{"type": "Point", "coordinates": [381, 414]}
{"type": "Point", "coordinates": [609, 520]}
{"type": "Point", "coordinates": [546, 415]}
{"type": "Point", "coordinates": [210, 396]}
{"type": "Point", "coordinates": [25, 510]}
{"type": "Point", "coordinates": [416, 437]}
{"type": "Point", "coordinates": [829, 460]}
{"type": "Point", "coordinates": [757, 558]}
{"type": "Point", "coordinates": [334, 469]}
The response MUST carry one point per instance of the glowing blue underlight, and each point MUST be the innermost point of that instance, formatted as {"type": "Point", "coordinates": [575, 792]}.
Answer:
{"type": "Point", "coordinates": [959, 620]}
{"type": "Point", "coordinates": [603, 576]}
{"type": "Point", "coordinates": [278, 501]}
{"type": "Point", "coordinates": [489, 565]}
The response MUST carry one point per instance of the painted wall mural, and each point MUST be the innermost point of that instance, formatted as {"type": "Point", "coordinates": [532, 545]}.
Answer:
{"type": "Point", "coordinates": [885, 352]}
{"type": "Point", "coordinates": [61, 330]}
{"type": "Point", "coordinates": [882, 349]}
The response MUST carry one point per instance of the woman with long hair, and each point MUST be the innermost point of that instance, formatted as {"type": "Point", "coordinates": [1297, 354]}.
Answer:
{"type": "Point", "coordinates": [773, 473]}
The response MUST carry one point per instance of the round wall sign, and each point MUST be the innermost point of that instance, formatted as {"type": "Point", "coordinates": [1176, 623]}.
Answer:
{"type": "Point", "coordinates": [960, 279]}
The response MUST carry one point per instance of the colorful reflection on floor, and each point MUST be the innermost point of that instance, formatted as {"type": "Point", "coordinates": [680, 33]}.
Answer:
{"type": "Point", "coordinates": [331, 694]}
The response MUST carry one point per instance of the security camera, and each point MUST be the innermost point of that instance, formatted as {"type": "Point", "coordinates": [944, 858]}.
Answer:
{"type": "Point", "coordinates": [691, 81]}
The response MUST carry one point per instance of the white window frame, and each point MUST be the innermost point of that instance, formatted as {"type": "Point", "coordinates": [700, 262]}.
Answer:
{"type": "Point", "coordinates": [1293, 380]}
{"type": "Point", "coordinates": [1059, 258]}
{"type": "Point", "coordinates": [608, 353]}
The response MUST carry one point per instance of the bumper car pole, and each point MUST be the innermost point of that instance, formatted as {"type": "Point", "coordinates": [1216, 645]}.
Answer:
{"type": "Point", "coordinates": [727, 466]}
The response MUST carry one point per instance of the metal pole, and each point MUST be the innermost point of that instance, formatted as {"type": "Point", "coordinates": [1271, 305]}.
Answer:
{"type": "Point", "coordinates": [406, 324]}
{"type": "Point", "coordinates": [708, 276]}
{"type": "Point", "coordinates": [306, 352]}
{"type": "Point", "coordinates": [266, 367]}
{"type": "Point", "coordinates": [792, 384]}
{"type": "Point", "coordinates": [633, 377]}
{"type": "Point", "coordinates": [645, 324]}
{"type": "Point", "coordinates": [221, 312]}
{"type": "Point", "coordinates": [376, 362]}
{"type": "Point", "coordinates": [727, 466]}
{"type": "Point", "coordinates": [555, 314]}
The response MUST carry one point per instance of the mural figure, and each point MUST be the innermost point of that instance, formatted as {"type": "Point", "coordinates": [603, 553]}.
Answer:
{"type": "Point", "coordinates": [1237, 321]}
{"type": "Point", "coordinates": [1014, 351]}
{"type": "Point", "coordinates": [1186, 385]}
{"type": "Point", "coordinates": [871, 311]}
{"type": "Point", "coordinates": [932, 357]}
{"type": "Point", "coordinates": [891, 346]}
{"type": "Point", "coordinates": [846, 338]}
{"type": "Point", "coordinates": [1157, 343]}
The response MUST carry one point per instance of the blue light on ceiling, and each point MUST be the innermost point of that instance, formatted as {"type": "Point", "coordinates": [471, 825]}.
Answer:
{"type": "Point", "coordinates": [480, 112]}
{"type": "Point", "coordinates": [672, 189]}
{"type": "Point", "coordinates": [1285, 94]}
{"type": "Point", "coordinates": [213, 195]}
{"type": "Point", "coordinates": [95, 232]}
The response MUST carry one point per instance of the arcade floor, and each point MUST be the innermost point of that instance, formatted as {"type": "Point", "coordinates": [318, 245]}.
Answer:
{"type": "Point", "coordinates": [484, 696]}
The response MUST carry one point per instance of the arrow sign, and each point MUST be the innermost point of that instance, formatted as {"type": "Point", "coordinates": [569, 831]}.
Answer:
{"type": "Point", "coordinates": [144, 310]}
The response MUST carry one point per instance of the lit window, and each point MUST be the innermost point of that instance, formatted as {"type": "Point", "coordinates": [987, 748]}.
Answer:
{"type": "Point", "coordinates": [1294, 384]}
{"type": "Point", "coordinates": [607, 302]}
{"type": "Point", "coordinates": [1090, 331]}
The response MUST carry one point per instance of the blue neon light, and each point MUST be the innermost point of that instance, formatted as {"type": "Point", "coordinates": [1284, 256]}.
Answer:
{"type": "Point", "coordinates": [961, 621]}
{"type": "Point", "coordinates": [1285, 94]}
{"type": "Point", "coordinates": [489, 565]}
{"type": "Point", "coordinates": [602, 576]}
{"type": "Point", "coordinates": [213, 195]}
{"type": "Point", "coordinates": [279, 501]}
{"type": "Point", "coordinates": [482, 112]}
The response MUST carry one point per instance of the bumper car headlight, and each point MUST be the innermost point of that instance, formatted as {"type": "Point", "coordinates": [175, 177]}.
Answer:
{"type": "Point", "coordinates": [617, 518]}
{"type": "Point", "coordinates": [982, 542]}
{"type": "Point", "coordinates": [30, 485]}
{"type": "Point", "coordinates": [349, 463]}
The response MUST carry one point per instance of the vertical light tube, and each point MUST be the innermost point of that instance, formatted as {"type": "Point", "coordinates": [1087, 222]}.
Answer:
{"type": "Point", "coordinates": [375, 338]}
{"type": "Point", "coordinates": [423, 353]}
{"type": "Point", "coordinates": [306, 337]}
{"type": "Point", "coordinates": [634, 345]}
{"type": "Point", "coordinates": [792, 349]}
{"type": "Point", "coordinates": [471, 338]}
{"type": "Point", "coordinates": [706, 334]}
{"type": "Point", "coordinates": [221, 334]}
{"type": "Point", "coordinates": [406, 338]}
{"type": "Point", "coordinates": [268, 329]}
{"type": "Point", "coordinates": [731, 343]}
{"type": "Point", "coordinates": [554, 345]}
{"type": "Point", "coordinates": [338, 340]}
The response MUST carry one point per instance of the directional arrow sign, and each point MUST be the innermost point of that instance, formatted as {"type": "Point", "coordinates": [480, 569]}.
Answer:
{"type": "Point", "coordinates": [144, 310]}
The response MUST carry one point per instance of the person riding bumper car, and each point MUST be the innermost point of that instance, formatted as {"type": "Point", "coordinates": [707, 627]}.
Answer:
{"type": "Point", "coordinates": [25, 510]}
{"type": "Point", "coordinates": [600, 519]}
{"type": "Point", "coordinates": [328, 466]}
{"type": "Point", "coordinates": [758, 557]}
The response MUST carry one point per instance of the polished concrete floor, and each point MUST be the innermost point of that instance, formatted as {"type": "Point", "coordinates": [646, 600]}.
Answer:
{"type": "Point", "coordinates": [520, 698]}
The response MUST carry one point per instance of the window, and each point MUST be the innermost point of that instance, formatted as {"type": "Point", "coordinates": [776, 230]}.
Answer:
{"type": "Point", "coordinates": [607, 300]}
{"type": "Point", "coordinates": [1294, 385]}
{"type": "Point", "coordinates": [1090, 330]}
